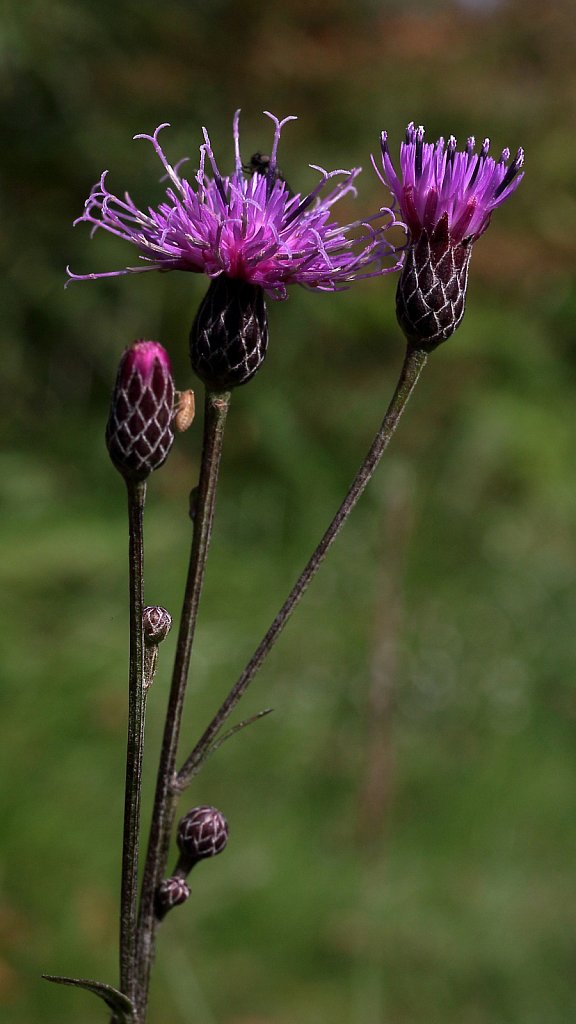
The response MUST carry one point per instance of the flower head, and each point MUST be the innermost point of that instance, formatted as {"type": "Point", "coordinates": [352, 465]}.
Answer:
{"type": "Point", "coordinates": [446, 198]}
{"type": "Point", "coordinates": [248, 227]}
{"type": "Point", "coordinates": [439, 181]}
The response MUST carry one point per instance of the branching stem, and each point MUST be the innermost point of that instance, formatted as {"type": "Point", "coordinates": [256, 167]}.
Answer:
{"type": "Point", "coordinates": [412, 366]}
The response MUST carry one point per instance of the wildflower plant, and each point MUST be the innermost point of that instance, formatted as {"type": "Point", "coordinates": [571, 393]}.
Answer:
{"type": "Point", "coordinates": [253, 238]}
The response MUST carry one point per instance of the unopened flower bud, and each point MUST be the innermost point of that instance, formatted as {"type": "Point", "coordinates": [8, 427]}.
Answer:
{"type": "Point", "coordinates": [203, 832]}
{"type": "Point", "coordinates": [157, 624]}
{"type": "Point", "coordinates": [170, 893]}
{"type": "Point", "coordinates": [139, 431]}
{"type": "Point", "coordinates": [229, 336]}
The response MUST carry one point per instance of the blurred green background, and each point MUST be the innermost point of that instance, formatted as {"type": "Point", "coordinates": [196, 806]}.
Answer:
{"type": "Point", "coordinates": [403, 827]}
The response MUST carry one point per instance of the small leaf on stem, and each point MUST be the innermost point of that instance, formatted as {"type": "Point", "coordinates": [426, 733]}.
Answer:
{"type": "Point", "coordinates": [121, 1006]}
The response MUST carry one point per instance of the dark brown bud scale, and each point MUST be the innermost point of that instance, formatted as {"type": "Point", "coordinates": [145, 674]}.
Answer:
{"type": "Point", "coordinates": [139, 430]}
{"type": "Point", "coordinates": [170, 893]}
{"type": "Point", "coordinates": [229, 337]}
{"type": "Point", "coordinates": [157, 624]}
{"type": "Point", "coordinates": [203, 832]}
{"type": "Point", "coordinates": [431, 293]}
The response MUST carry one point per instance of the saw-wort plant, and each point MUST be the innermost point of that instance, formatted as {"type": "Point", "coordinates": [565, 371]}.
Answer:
{"type": "Point", "coordinates": [253, 237]}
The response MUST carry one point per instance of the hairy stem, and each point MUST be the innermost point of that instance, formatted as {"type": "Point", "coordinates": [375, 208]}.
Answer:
{"type": "Point", "coordinates": [413, 364]}
{"type": "Point", "coordinates": [216, 409]}
{"type": "Point", "coordinates": [134, 750]}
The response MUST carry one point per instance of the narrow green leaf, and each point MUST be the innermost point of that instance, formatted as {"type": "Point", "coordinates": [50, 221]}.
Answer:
{"type": "Point", "coordinates": [121, 1006]}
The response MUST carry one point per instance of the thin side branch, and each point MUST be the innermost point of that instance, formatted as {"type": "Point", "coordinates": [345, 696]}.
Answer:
{"type": "Point", "coordinates": [238, 728]}
{"type": "Point", "coordinates": [414, 362]}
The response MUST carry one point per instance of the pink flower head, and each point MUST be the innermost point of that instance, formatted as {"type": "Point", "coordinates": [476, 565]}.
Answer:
{"type": "Point", "coordinates": [446, 198]}
{"type": "Point", "coordinates": [437, 180]}
{"type": "Point", "coordinates": [246, 226]}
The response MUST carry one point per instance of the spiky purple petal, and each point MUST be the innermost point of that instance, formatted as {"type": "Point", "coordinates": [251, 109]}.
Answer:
{"type": "Point", "coordinates": [436, 180]}
{"type": "Point", "coordinates": [252, 229]}
{"type": "Point", "coordinates": [446, 198]}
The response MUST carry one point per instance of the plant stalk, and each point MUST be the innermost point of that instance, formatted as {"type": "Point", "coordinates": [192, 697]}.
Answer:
{"type": "Point", "coordinates": [414, 362]}
{"type": "Point", "coordinates": [215, 412]}
{"type": "Point", "coordinates": [134, 749]}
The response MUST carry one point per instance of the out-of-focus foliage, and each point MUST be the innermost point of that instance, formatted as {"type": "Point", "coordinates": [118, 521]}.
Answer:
{"type": "Point", "coordinates": [447, 893]}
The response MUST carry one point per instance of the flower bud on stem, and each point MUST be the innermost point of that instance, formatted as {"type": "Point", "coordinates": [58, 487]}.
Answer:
{"type": "Point", "coordinates": [157, 625]}
{"type": "Point", "coordinates": [171, 892]}
{"type": "Point", "coordinates": [202, 834]}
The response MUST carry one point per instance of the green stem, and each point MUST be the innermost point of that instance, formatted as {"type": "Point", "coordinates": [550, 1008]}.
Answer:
{"type": "Point", "coordinates": [414, 362]}
{"type": "Point", "coordinates": [134, 749]}
{"type": "Point", "coordinates": [215, 412]}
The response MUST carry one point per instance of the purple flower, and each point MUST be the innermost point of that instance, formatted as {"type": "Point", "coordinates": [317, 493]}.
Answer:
{"type": "Point", "coordinates": [248, 227]}
{"type": "Point", "coordinates": [446, 198]}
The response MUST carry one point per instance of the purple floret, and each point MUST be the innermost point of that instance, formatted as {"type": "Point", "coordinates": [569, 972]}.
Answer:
{"type": "Point", "coordinates": [437, 180]}
{"type": "Point", "coordinates": [249, 228]}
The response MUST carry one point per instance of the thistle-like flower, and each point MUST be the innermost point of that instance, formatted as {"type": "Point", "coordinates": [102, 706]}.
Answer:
{"type": "Point", "coordinates": [139, 431]}
{"type": "Point", "coordinates": [446, 198]}
{"type": "Point", "coordinates": [250, 235]}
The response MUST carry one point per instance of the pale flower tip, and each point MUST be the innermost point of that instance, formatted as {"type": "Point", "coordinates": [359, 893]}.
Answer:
{"type": "Point", "coordinates": [143, 355]}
